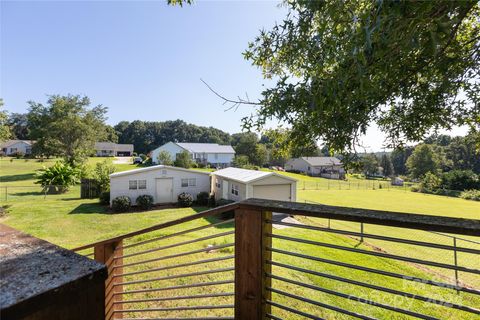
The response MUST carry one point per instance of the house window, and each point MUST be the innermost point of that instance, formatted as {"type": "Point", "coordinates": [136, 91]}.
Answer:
{"type": "Point", "coordinates": [13, 150]}
{"type": "Point", "coordinates": [217, 184]}
{"type": "Point", "coordinates": [308, 168]}
{"type": "Point", "coordinates": [216, 156]}
{"type": "Point", "coordinates": [189, 182]}
{"type": "Point", "coordinates": [132, 184]}
{"type": "Point", "coordinates": [142, 184]}
{"type": "Point", "coordinates": [235, 189]}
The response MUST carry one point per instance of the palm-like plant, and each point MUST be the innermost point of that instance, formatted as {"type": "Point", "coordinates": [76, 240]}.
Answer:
{"type": "Point", "coordinates": [57, 178]}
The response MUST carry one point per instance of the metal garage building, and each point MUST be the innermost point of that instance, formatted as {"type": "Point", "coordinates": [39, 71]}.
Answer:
{"type": "Point", "coordinates": [239, 184]}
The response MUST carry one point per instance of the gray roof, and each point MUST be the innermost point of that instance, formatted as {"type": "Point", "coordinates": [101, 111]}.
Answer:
{"type": "Point", "coordinates": [245, 175]}
{"type": "Point", "coordinates": [113, 146]}
{"type": "Point", "coordinates": [206, 147]}
{"type": "Point", "coordinates": [153, 168]}
{"type": "Point", "coordinates": [12, 142]}
{"type": "Point", "coordinates": [322, 161]}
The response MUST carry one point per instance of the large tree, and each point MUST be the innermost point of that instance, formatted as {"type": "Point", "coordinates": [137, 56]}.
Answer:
{"type": "Point", "coordinates": [409, 66]}
{"type": "Point", "coordinates": [66, 125]}
{"type": "Point", "coordinates": [4, 128]}
{"type": "Point", "coordinates": [18, 123]}
{"type": "Point", "coordinates": [387, 166]}
{"type": "Point", "coordinates": [423, 160]}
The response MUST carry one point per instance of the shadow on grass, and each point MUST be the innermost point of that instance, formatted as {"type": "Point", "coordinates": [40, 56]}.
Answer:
{"type": "Point", "coordinates": [17, 177]}
{"type": "Point", "coordinates": [29, 193]}
{"type": "Point", "coordinates": [221, 217]}
{"type": "Point", "coordinates": [88, 208]}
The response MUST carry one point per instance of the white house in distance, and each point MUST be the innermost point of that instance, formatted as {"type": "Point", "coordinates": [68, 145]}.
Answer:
{"type": "Point", "coordinates": [239, 184]}
{"type": "Point", "coordinates": [220, 156]}
{"type": "Point", "coordinates": [111, 149]}
{"type": "Point", "coordinates": [326, 167]}
{"type": "Point", "coordinates": [10, 147]}
{"type": "Point", "coordinates": [163, 183]}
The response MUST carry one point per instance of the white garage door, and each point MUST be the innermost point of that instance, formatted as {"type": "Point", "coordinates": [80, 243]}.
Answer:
{"type": "Point", "coordinates": [273, 192]}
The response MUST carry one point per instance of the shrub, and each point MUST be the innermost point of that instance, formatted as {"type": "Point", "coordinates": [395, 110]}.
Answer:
{"type": "Point", "coordinates": [194, 165]}
{"type": "Point", "coordinates": [183, 160]}
{"type": "Point", "coordinates": [121, 204]}
{"type": "Point", "coordinates": [460, 180]}
{"type": "Point", "coordinates": [144, 157]}
{"type": "Point", "coordinates": [18, 154]}
{"type": "Point", "coordinates": [57, 178]}
{"type": "Point", "coordinates": [102, 173]}
{"type": "Point", "coordinates": [202, 198]}
{"type": "Point", "coordinates": [202, 165]}
{"type": "Point", "coordinates": [145, 201]}
{"type": "Point", "coordinates": [211, 200]}
{"type": "Point", "coordinates": [185, 199]}
{"type": "Point", "coordinates": [104, 197]}
{"type": "Point", "coordinates": [471, 195]}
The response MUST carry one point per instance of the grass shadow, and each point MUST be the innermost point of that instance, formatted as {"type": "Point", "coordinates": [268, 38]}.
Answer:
{"type": "Point", "coordinates": [17, 177]}
{"type": "Point", "coordinates": [221, 217]}
{"type": "Point", "coordinates": [89, 208]}
{"type": "Point", "coordinates": [29, 193]}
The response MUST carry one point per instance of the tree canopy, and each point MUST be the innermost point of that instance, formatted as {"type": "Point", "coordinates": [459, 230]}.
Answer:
{"type": "Point", "coordinates": [66, 126]}
{"type": "Point", "coordinates": [409, 66]}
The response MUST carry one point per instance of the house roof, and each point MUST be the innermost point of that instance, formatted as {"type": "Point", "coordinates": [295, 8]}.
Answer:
{"type": "Point", "coordinates": [322, 161]}
{"type": "Point", "coordinates": [8, 143]}
{"type": "Point", "coordinates": [246, 176]}
{"type": "Point", "coordinates": [113, 146]}
{"type": "Point", "coordinates": [205, 147]}
{"type": "Point", "coordinates": [153, 168]}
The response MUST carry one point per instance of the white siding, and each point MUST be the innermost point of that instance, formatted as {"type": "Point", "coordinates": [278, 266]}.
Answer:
{"type": "Point", "coordinates": [221, 158]}
{"type": "Point", "coordinates": [19, 147]}
{"type": "Point", "coordinates": [297, 164]}
{"type": "Point", "coordinates": [119, 186]}
{"type": "Point", "coordinates": [170, 147]}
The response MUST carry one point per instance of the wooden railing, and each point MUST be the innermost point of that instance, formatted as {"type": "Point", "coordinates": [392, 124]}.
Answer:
{"type": "Point", "coordinates": [362, 264]}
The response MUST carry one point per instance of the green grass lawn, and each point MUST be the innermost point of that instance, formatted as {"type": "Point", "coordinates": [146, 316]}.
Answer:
{"type": "Point", "coordinates": [69, 221]}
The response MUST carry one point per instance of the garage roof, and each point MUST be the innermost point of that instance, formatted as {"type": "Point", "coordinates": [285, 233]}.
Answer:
{"type": "Point", "coordinates": [126, 173]}
{"type": "Point", "coordinates": [246, 176]}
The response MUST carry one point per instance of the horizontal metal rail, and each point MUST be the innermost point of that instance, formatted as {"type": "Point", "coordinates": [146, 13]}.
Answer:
{"type": "Point", "coordinates": [213, 236]}
{"type": "Point", "coordinates": [320, 304]}
{"type": "Point", "coordinates": [226, 306]}
{"type": "Point", "coordinates": [207, 213]}
{"type": "Point", "coordinates": [175, 266]}
{"type": "Point", "coordinates": [380, 272]}
{"type": "Point", "coordinates": [295, 311]}
{"type": "Point", "coordinates": [378, 288]}
{"type": "Point", "coordinates": [377, 254]}
{"type": "Point", "coordinates": [175, 255]}
{"type": "Point", "coordinates": [184, 275]}
{"type": "Point", "coordinates": [198, 296]}
{"type": "Point", "coordinates": [271, 316]}
{"type": "Point", "coordinates": [210, 225]}
{"type": "Point", "coordinates": [378, 237]}
{"type": "Point", "coordinates": [194, 285]}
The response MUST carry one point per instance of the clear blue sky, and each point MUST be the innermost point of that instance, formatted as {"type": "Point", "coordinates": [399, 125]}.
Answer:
{"type": "Point", "coordinates": [143, 60]}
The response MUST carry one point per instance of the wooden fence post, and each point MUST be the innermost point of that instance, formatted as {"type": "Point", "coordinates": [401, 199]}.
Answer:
{"type": "Point", "coordinates": [105, 253]}
{"type": "Point", "coordinates": [250, 266]}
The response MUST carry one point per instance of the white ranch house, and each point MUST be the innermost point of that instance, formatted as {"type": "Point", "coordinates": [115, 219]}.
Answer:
{"type": "Point", "coordinates": [239, 184]}
{"type": "Point", "coordinates": [10, 147]}
{"type": "Point", "coordinates": [110, 149]}
{"type": "Point", "coordinates": [163, 183]}
{"type": "Point", "coordinates": [326, 167]}
{"type": "Point", "coordinates": [220, 156]}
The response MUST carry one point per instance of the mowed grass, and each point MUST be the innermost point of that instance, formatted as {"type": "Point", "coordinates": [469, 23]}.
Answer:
{"type": "Point", "coordinates": [69, 221]}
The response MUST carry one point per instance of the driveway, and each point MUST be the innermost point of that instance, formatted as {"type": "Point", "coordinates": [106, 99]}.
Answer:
{"type": "Point", "coordinates": [122, 160]}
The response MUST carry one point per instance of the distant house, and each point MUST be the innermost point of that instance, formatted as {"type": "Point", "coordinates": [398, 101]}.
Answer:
{"type": "Point", "coordinates": [110, 149]}
{"type": "Point", "coordinates": [11, 147]}
{"type": "Point", "coordinates": [217, 155]}
{"type": "Point", "coordinates": [326, 167]}
{"type": "Point", "coordinates": [239, 184]}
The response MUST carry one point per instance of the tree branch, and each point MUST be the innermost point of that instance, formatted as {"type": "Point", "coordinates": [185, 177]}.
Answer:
{"type": "Point", "coordinates": [234, 103]}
